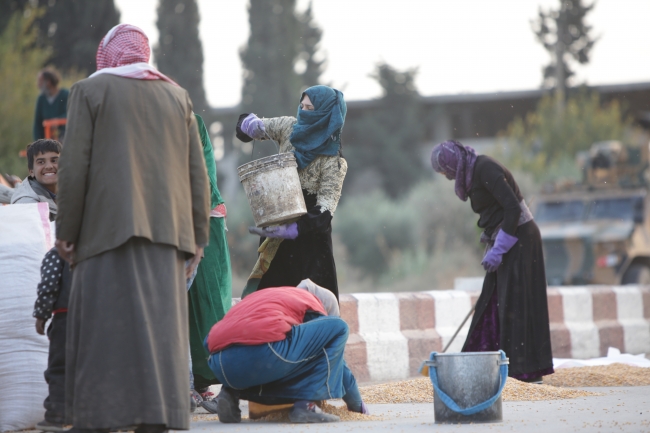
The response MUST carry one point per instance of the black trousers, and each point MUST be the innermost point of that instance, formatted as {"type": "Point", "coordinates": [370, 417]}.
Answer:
{"type": "Point", "coordinates": [55, 374]}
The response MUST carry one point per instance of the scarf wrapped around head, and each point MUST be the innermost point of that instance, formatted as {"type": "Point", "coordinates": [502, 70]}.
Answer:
{"type": "Point", "coordinates": [455, 161]}
{"type": "Point", "coordinates": [125, 51]}
{"type": "Point", "coordinates": [318, 132]}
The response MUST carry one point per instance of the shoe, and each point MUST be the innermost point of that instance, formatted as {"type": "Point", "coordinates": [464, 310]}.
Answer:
{"type": "Point", "coordinates": [313, 414]}
{"type": "Point", "coordinates": [195, 400]}
{"type": "Point", "coordinates": [88, 430]}
{"type": "Point", "coordinates": [50, 426]}
{"type": "Point", "coordinates": [228, 406]}
{"type": "Point", "coordinates": [205, 393]}
{"type": "Point", "coordinates": [151, 428]}
{"type": "Point", "coordinates": [210, 405]}
{"type": "Point", "coordinates": [208, 396]}
{"type": "Point", "coordinates": [534, 380]}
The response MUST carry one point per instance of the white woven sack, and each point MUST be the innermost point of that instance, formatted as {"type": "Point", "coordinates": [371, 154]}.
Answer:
{"type": "Point", "coordinates": [25, 237]}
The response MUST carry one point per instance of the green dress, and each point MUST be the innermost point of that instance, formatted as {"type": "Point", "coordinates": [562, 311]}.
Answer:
{"type": "Point", "coordinates": [210, 295]}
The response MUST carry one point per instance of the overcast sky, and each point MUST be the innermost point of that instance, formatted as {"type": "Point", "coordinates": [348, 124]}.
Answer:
{"type": "Point", "coordinates": [459, 45]}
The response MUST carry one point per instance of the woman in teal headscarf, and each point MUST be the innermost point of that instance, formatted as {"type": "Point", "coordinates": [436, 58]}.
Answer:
{"type": "Point", "coordinates": [290, 253]}
{"type": "Point", "coordinates": [210, 295]}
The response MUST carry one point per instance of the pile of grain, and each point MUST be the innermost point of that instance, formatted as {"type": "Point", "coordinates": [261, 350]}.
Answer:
{"type": "Point", "coordinates": [602, 375]}
{"type": "Point", "coordinates": [521, 391]}
{"type": "Point", "coordinates": [407, 391]}
{"type": "Point", "coordinates": [421, 391]}
{"type": "Point", "coordinates": [340, 411]}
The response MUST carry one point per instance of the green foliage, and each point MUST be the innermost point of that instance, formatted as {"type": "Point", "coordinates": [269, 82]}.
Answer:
{"type": "Point", "coordinates": [546, 140]}
{"type": "Point", "coordinates": [565, 35]}
{"type": "Point", "coordinates": [421, 241]}
{"type": "Point", "coordinates": [72, 28]}
{"type": "Point", "coordinates": [7, 10]}
{"type": "Point", "coordinates": [309, 47]}
{"type": "Point", "coordinates": [373, 229]}
{"type": "Point", "coordinates": [20, 62]}
{"type": "Point", "coordinates": [179, 52]}
{"type": "Point", "coordinates": [281, 57]}
{"type": "Point", "coordinates": [387, 139]}
{"type": "Point", "coordinates": [271, 85]}
{"type": "Point", "coordinates": [18, 93]}
{"type": "Point", "coordinates": [391, 239]}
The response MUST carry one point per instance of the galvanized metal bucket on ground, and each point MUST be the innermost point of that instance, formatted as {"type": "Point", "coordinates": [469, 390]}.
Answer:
{"type": "Point", "coordinates": [467, 386]}
{"type": "Point", "coordinates": [273, 189]}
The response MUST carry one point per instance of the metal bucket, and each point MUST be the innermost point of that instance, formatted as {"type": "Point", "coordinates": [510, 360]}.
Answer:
{"type": "Point", "coordinates": [273, 189]}
{"type": "Point", "coordinates": [467, 386]}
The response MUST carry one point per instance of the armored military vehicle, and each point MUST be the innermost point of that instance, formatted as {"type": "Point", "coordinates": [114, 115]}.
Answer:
{"type": "Point", "coordinates": [598, 231]}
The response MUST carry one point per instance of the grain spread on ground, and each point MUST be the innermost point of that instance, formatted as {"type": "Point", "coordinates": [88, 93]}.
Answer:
{"type": "Point", "coordinates": [421, 391]}
{"type": "Point", "coordinates": [283, 415]}
{"type": "Point", "coordinates": [556, 387]}
{"type": "Point", "coordinates": [340, 411]}
{"type": "Point", "coordinates": [601, 375]}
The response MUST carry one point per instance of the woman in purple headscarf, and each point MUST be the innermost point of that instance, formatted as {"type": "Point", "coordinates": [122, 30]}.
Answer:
{"type": "Point", "coordinates": [512, 312]}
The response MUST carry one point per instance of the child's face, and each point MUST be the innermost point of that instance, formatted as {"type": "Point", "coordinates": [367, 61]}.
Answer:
{"type": "Point", "coordinates": [46, 167]}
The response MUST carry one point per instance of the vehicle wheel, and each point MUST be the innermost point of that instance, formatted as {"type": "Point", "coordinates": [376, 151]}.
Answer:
{"type": "Point", "coordinates": [637, 274]}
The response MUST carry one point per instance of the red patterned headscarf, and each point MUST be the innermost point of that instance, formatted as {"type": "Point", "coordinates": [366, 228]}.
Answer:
{"type": "Point", "coordinates": [127, 47]}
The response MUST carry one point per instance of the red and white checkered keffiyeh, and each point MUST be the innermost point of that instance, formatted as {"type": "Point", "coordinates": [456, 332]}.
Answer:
{"type": "Point", "coordinates": [125, 51]}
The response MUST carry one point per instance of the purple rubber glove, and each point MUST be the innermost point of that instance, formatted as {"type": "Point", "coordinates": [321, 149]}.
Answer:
{"type": "Point", "coordinates": [283, 231]}
{"type": "Point", "coordinates": [358, 408]}
{"type": "Point", "coordinates": [502, 245]}
{"type": "Point", "coordinates": [364, 409]}
{"type": "Point", "coordinates": [253, 127]}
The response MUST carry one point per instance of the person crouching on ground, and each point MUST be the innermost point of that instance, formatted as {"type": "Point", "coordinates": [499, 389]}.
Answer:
{"type": "Point", "coordinates": [41, 184]}
{"type": "Point", "coordinates": [279, 347]}
{"type": "Point", "coordinates": [512, 312]}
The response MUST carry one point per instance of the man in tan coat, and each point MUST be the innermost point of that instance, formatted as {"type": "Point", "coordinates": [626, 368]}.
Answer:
{"type": "Point", "coordinates": [133, 206]}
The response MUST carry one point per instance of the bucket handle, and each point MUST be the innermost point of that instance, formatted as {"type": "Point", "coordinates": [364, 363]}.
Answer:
{"type": "Point", "coordinates": [277, 146]}
{"type": "Point", "coordinates": [449, 402]}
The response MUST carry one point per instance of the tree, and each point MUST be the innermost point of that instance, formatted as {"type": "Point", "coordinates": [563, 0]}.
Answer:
{"type": "Point", "coordinates": [310, 66]}
{"type": "Point", "coordinates": [271, 84]}
{"type": "Point", "coordinates": [388, 139]}
{"type": "Point", "coordinates": [565, 35]}
{"type": "Point", "coordinates": [281, 58]}
{"type": "Point", "coordinates": [18, 92]}
{"type": "Point", "coordinates": [7, 10]}
{"type": "Point", "coordinates": [179, 52]}
{"type": "Point", "coordinates": [73, 28]}
{"type": "Point", "coordinates": [546, 144]}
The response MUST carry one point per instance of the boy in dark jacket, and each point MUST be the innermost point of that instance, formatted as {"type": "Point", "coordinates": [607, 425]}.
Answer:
{"type": "Point", "coordinates": [52, 300]}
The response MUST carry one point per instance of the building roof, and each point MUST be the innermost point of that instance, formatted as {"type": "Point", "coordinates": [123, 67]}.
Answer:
{"type": "Point", "coordinates": [361, 104]}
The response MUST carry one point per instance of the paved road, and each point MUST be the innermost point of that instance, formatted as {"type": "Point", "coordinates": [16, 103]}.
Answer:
{"type": "Point", "coordinates": [619, 410]}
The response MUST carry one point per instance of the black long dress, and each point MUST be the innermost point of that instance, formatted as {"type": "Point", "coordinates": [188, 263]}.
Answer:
{"type": "Point", "coordinates": [310, 255]}
{"type": "Point", "coordinates": [522, 324]}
